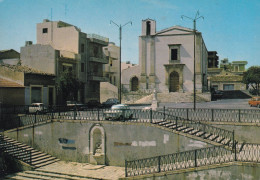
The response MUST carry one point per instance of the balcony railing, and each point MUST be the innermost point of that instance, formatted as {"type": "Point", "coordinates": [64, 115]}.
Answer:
{"type": "Point", "coordinates": [99, 60]}
{"type": "Point", "coordinates": [98, 37]}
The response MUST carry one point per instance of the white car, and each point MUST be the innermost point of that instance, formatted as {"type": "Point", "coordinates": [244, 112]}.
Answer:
{"type": "Point", "coordinates": [118, 112]}
{"type": "Point", "coordinates": [37, 108]}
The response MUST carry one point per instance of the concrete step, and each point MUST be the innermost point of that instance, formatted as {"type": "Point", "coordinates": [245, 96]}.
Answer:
{"type": "Point", "coordinates": [60, 175]}
{"type": "Point", "coordinates": [25, 176]}
{"type": "Point", "coordinates": [46, 163]}
{"type": "Point", "coordinates": [50, 175]}
{"type": "Point", "coordinates": [41, 161]}
{"type": "Point", "coordinates": [38, 158]}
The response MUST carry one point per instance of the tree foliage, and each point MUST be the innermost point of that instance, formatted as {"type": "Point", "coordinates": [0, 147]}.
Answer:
{"type": "Point", "coordinates": [252, 77]}
{"type": "Point", "coordinates": [68, 85]}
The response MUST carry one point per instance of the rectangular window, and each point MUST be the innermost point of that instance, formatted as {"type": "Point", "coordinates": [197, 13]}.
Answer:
{"type": "Point", "coordinates": [45, 30]}
{"type": "Point", "coordinates": [174, 54]}
{"type": "Point", "coordinates": [228, 87]}
{"type": "Point", "coordinates": [82, 67]}
{"type": "Point", "coordinates": [82, 48]}
{"type": "Point", "coordinates": [36, 95]}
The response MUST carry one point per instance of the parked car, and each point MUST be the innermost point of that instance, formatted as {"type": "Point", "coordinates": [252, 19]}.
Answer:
{"type": "Point", "coordinates": [37, 108]}
{"type": "Point", "coordinates": [118, 112]}
{"type": "Point", "coordinates": [93, 104]}
{"type": "Point", "coordinates": [110, 102]}
{"type": "Point", "coordinates": [217, 95]}
{"type": "Point", "coordinates": [74, 104]}
{"type": "Point", "coordinates": [255, 101]}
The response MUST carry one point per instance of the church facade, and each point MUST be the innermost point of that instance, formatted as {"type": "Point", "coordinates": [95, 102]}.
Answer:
{"type": "Point", "coordinates": [166, 61]}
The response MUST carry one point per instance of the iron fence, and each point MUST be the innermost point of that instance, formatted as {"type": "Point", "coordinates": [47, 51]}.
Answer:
{"type": "Point", "coordinates": [134, 115]}
{"type": "Point", "coordinates": [15, 151]}
{"type": "Point", "coordinates": [181, 160]}
{"type": "Point", "coordinates": [14, 109]}
{"type": "Point", "coordinates": [219, 115]}
{"type": "Point", "coordinates": [248, 152]}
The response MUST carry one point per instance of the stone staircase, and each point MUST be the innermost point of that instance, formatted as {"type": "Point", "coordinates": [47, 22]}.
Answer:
{"type": "Point", "coordinates": [216, 137]}
{"type": "Point", "coordinates": [176, 97]}
{"type": "Point", "coordinates": [19, 150]}
{"type": "Point", "coordinates": [42, 174]}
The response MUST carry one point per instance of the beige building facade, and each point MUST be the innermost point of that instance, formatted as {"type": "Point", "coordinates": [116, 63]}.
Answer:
{"type": "Point", "coordinates": [228, 76]}
{"type": "Point", "coordinates": [62, 46]}
{"type": "Point", "coordinates": [166, 61]}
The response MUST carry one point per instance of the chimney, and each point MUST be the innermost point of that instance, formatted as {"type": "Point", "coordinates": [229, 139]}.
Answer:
{"type": "Point", "coordinates": [28, 43]}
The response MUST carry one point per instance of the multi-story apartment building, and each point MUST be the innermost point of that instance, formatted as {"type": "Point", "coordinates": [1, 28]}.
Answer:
{"type": "Point", "coordinates": [62, 46]}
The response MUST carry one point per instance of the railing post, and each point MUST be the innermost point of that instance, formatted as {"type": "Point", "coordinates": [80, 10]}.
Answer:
{"type": "Point", "coordinates": [30, 156]}
{"type": "Point", "coordinates": [34, 118]}
{"type": "Point", "coordinates": [233, 137]}
{"type": "Point", "coordinates": [59, 110]}
{"type": "Point", "coordinates": [126, 168]}
{"type": "Point", "coordinates": [98, 114]}
{"type": "Point", "coordinates": [187, 113]}
{"type": "Point", "coordinates": [212, 114]}
{"type": "Point", "coordinates": [239, 113]}
{"type": "Point", "coordinates": [176, 122]}
{"type": "Point", "coordinates": [151, 115]}
{"type": "Point", "coordinates": [235, 148]}
{"type": "Point", "coordinates": [159, 163]}
{"type": "Point", "coordinates": [163, 112]}
{"type": "Point", "coordinates": [19, 121]}
{"type": "Point", "coordinates": [204, 129]}
{"type": "Point", "coordinates": [74, 112]}
{"type": "Point", "coordinates": [195, 158]}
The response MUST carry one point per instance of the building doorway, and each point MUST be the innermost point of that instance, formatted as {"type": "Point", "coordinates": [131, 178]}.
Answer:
{"type": "Point", "coordinates": [134, 84]}
{"type": "Point", "coordinates": [174, 82]}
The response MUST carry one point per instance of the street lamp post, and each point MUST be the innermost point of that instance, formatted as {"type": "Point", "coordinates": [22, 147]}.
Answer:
{"type": "Point", "coordinates": [194, 67]}
{"type": "Point", "coordinates": [120, 39]}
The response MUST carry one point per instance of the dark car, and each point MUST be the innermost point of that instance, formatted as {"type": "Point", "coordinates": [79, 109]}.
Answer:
{"type": "Point", "coordinates": [110, 102]}
{"type": "Point", "coordinates": [93, 104]}
{"type": "Point", "coordinates": [217, 95]}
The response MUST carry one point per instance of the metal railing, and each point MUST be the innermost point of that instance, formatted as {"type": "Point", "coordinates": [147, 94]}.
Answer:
{"type": "Point", "coordinates": [217, 115]}
{"type": "Point", "coordinates": [248, 152]}
{"type": "Point", "coordinates": [194, 158]}
{"type": "Point", "coordinates": [15, 151]}
{"type": "Point", "coordinates": [136, 115]}
{"type": "Point", "coordinates": [181, 160]}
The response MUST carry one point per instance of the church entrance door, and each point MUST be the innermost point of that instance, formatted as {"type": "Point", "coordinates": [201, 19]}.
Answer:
{"type": "Point", "coordinates": [174, 82]}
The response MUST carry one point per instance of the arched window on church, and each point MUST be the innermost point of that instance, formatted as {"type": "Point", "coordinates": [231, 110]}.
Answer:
{"type": "Point", "coordinates": [134, 84]}
{"type": "Point", "coordinates": [148, 28]}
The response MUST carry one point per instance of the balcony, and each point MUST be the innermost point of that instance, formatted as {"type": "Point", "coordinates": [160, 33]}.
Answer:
{"type": "Point", "coordinates": [98, 39]}
{"type": "Point", "coordinates": [97, 78]}
{"type": "Point", "coordinates": [99, 60]}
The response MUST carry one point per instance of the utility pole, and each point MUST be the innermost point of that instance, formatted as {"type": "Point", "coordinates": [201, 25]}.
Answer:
{"type": "Point", "coordinates": [120, 39]}
{"type": "Point", "coordinates": [194, 67]}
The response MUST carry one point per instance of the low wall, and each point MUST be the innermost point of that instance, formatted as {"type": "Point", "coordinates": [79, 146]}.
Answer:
{"type": "Point", "coordinates": [71, 140]}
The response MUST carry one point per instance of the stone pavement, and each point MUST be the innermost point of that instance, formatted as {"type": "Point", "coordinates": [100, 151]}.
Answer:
{"type": "Point", "coordinates": [85, 169]}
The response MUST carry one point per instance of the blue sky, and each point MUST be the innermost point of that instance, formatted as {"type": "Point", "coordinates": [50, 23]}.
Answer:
{"type": "Point", "coordinates": [230, 27]}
